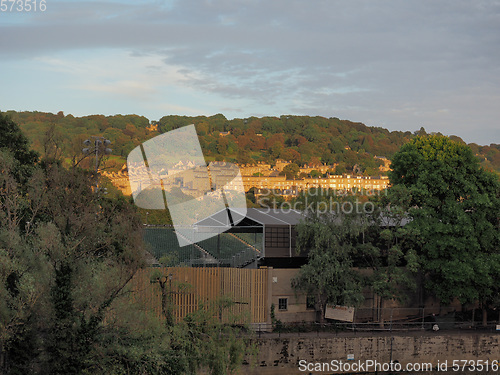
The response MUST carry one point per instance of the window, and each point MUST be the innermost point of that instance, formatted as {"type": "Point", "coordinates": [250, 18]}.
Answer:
{"type": "Point", "coordinates": [277, 237]}
{"type": "Point", "coordinates": [283, 304]}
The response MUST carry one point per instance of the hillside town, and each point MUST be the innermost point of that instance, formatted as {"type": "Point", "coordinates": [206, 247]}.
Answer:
{"type": "Point", "coordinates": [259, 176]}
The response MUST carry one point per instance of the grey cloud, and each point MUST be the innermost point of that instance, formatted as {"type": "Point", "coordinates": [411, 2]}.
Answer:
{"type": "Point", "coordinates": [364, 58]}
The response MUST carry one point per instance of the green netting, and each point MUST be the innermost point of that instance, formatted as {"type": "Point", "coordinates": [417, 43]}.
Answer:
{"type": "Point", "coordinates": [225, 249]}
{"type": "Point", "coordinates": [253, 239]}
{"type": "Point", "coordinates": [163, 245]}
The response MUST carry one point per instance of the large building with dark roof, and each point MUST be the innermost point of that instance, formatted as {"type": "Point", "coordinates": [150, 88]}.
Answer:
{"type": "Point", "coordinates": [276, 228]}
{"type": "Point", "coordinates": [252, 237]}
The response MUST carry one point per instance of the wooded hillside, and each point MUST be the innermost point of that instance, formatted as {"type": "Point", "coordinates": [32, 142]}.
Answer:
{"type": "Point", "coordinates": [302, 139]}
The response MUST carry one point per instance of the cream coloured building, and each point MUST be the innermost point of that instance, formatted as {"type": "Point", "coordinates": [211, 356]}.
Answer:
{"type": "Point", "coordinates": [332, 182]}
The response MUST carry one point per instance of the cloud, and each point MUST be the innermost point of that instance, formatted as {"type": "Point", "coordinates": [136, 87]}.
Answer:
{"type": "Point", "coordinates": [395, 64]}
{"type": "Point", "coordinates": [117, 72]}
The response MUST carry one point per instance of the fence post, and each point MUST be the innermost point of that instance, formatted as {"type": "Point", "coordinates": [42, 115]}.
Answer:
{"type": "Point", "coordinates": [392, 309]}
{"type": "Point", "coordinates": [423, 317]}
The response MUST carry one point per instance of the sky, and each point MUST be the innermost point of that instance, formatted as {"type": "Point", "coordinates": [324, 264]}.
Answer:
{"type": "Point", "coordinates": [399, 65]}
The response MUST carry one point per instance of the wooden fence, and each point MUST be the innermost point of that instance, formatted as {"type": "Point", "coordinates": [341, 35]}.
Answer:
{"type": "Point", "coordinates": [188, 287]}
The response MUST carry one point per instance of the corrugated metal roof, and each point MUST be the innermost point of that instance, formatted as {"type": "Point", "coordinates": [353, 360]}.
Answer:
{"type": "Point", "coordinates": [263, 216]}
{"type": "Point", "coordinates": [269, 216]}
{"type": "Point", "coordinates": [220, 219]}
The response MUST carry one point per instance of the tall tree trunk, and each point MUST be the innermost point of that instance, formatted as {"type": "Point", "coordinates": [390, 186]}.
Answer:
{"type": "Point", "coordinates": [381, 319]}
{"type": "Point", "coordinates": [322, 310]}
{"type": "Point", "coordinates": [166, 302]}
{"type": "Point", "coordinates": [421, 291]}
{"type": "Point", "coordinates": [2, 358]}
{"type": "Point", "coordinates": [485, 315]}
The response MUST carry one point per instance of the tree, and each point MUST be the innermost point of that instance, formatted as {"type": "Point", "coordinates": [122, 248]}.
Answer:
{"type": "Point", "coordinates": [21, 274]}
{"type": "Point", "coordinates": [14, 141]}
{"type": "Point", "coordinates": [243, 158]}
{"type": "Point", "coordinates": [67, 254]}
{"type": "Point", "coordinates": [58, 240]}
{"type": "Point", "coordinates": [80, 242]}
{"type": "Point", "coordinates": [275, 151]}
{"type": "Point", "coordinates": [269, 198]}
{"type": "Point", "coordinates": [290, 154]}
{"type": "Point", "coordinates": [455, 213]}
{"type": "Point", "coordinates": [291, 171]}
{"type": "Point", "coordinates": [315, 173]}
{"type": "Point", "coordinates": [386, 247]}
{"type": "Point", "coordinates": [222, 144]}
{"type": "Point", "coordinates": [52, 143]}
{"type": "Point", "coordinates": [328, 276]}
{"type": "Point", "coordinates": [202, 339]}
{"type": "Point", "coordinates": [340, 169]}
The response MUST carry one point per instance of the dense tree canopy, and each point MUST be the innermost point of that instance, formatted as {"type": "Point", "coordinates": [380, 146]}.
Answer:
{"type": "Point", "coordinates": [67, 254]}
{"type": "Point", "coordinates": [330, 241]}
{"type": "Point", "coordinates": [440, 221]}
{"type": "Point", "coordinates": [295, 138]}
{"type": "Point", "coordinates": [13, 140]}
{"type": "Point", "coordinates": [291, 171]}
{"type": "Point", "coordinates": [344, 235]}
{"type": "Point", "coordinates": [455, 207]}
{"type": "Point", "coordinates": [59, 240]}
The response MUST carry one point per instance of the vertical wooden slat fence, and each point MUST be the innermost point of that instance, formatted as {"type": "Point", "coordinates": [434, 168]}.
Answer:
{"type": "Point", "coordinates": [247, 288]}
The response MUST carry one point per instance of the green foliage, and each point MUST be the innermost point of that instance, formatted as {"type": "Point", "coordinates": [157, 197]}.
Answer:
{"type": "Point", "coordinates": [328, 276]}
{"type": "Point", "coordinates": [154, 217]}
{"type": "Point", "coordinates": [67, 253]}
{"type": "Point", "coordinates": [67, 355]}
{"type": "Point", "coordinates": [358, 243]}
{"type": "Point", "coordinates": [291, 171]}
{"type": "Point", "coordinates": [276, 323]}
{"type": "Point", "coordinates": [15, 142]}
{"type": "Point", "coordinates": [270, 199]}
{"type": "Point", "coordinates": [207, 338]}
{"type": "Point", "coordinates": [59, 241]}
{"type": "Point", "coordinates": [454, 204]}
{"type": "Point", "coordinates": [386, 246]}
{"type": "Point", "coordinates": [294, 138]}
{"type": "Point", "coordinates": [340, 169]}
{"type": "Point", "coordinates": [220, 347]}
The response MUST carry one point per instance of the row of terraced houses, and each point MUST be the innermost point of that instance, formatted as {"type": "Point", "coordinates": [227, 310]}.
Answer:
{"type": "Point", "coordinates": [262, 176]}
